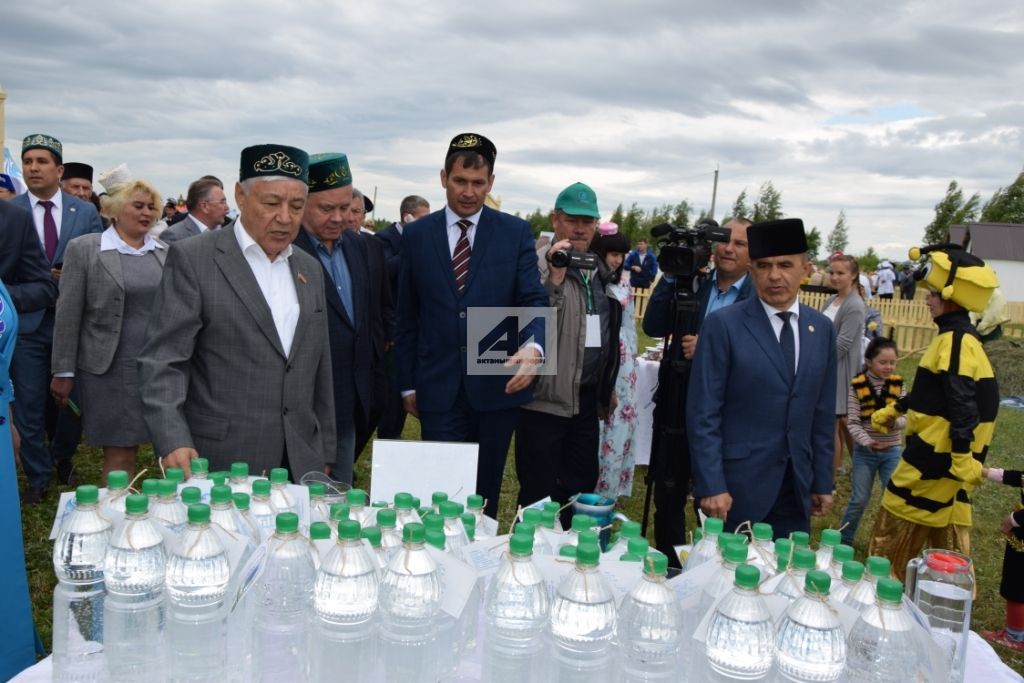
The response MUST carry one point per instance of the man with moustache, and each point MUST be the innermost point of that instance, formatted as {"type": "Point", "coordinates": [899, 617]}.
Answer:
{"type": "Point", "coordinates": [207, 206]}
{"type": "Point", "coordinates": [59, 218]}
{"type": "Point", "coordinates": [465, 255]}
{"type": "Point", "coordinates": [357, 291]}
{"type": "Point", "coordinates": [238, 361]}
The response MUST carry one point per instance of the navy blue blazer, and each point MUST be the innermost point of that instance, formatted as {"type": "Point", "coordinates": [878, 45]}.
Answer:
{"type": "Point", "coordinates": [391, 242]}
{"type": "Point", "coordinates": [77, 218]}
{"type": "Point", "coordinates": [746, 419]}
{"type": "Point", "coordinates": [657, 316]}
{"type": "Point", "coordinates": [353, 353]}
{"type": "Point", "coordinates": [431, 342]}
{"type": "Point", "coordinates": [23, 266]}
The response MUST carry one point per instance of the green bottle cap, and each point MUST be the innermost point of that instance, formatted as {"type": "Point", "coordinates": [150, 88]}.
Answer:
{"type": "Point", "coordinates": [817, 582]}
{"type": "Point", "coordinates": [655, 563]}
{"type": "Point", "coordinates": [199, 513]}
{"type": "Point", "coordinates": [748, 576]}
{"type": "Point", "coordinates": [582, 522]}
{"type": "Point", "coordinates": [219, 477]}
{"type": "Point", "coordinates": [287, 522]}
{"type": "Point", "coordinates": [713, 525]}
{"type": "Point", "coordinates": [200, 465]}
{"type": "Point", "coordinates": [448, 510]}
{"type": "Point", "coordinates": [763, 531]}
{"type": "Point", "coordinates": [356, 497]}
{"type": "Point", "coordinates": [842, 553]}
{"type": "Point", "coordinates": [191, 494]}
{"type": "Point", "coordinates": [239, 470]}
{"type": "Point", "coordinates": [526, 528]}
{"type": "Point", "coordinates": [435, 537]}
{"type": "Point", "coordinates": [629, 529]}
{"type": "Point", "coordinates": [831, 537]}
{"type": "Point", "coordinates": [879, 566]}
{"type": "Point", "coordinates": [521, 544]}
{"type": "Point", "coordinates": [475, 502]}
{"type": "Point", "coordinates": [338, 511]}
{"type": "Point", "coordinates": [552, 505]}
{"type": "Point", "coordinates": [889, 590]}
{"type": "Point", "coordinates": [135, 503]}
{"type": "Point", "coordinates": [387, 518]}
{"type": "Point", "coordinates": [853, 570]}
{"type": "Point", "coordinates": [379, 504]}
{"type": "Point", "coordinates": [175, 474]}
{"type": "Point", "coordinates": [637, 546]}
{"type": "Point", "coordinates": [432, 521]}
{"type": "Point", "coordinates": [782, 562]}
{"type": "Point", "coordinates": [804, 558]}
{"type": "Point", "coordinates": [783, 546]}
{"type": "Point", "coordinates": [698, 534]}
{"type": "Point", "coordinates": [532, 516]}
{"type": "Point", "coordinates": [349, 529]}
{"type": "Point", "coordinates": [438, 497]}
{"type": "Point", "coordinates": [278, 475]}
{"type": "Point", "coordinates": [735, 553]}
{"type": "Point", "coordinates": [801, 539]}
{"type": "Point", "coordinates": [319, 531]}
{"type": "Point", "coordinates": [630, 557]}
{"type": "Point", "coordinates": [403, 501]}
{"type": "Point", "coordinates": [567, 551]}
{"type": "Point", "coordinates": [588, 537]}
{"type": "Point", "coordinates": [218, 494]}
{"type": "Point", "coordinates": [261, 487]}
{"type": "Point", "coordinates": [166, 488]}
{"type": "Point", "coordinates": [588, 554]}
{"type": "Point", "coordinates": [424, 511]}
{"type": "Point", "coordinates": [413, 533]}
{"type": "Point", "coordinates": [547, 519]}
{"type": "Point", "coordinates": [317, 489]}
{"type": "Point", "coordinates": [415, 503]}
{"type": "Point", "coordinates": [469, 524]}
{"type": "Point", "coordinates": [241, 500]}
{"type": "Point", "coordinates": [727, 539]}
{"type": "Point", "coordinates": [371, 534]}
{"type": "Point", "coordinates": [117, 479]}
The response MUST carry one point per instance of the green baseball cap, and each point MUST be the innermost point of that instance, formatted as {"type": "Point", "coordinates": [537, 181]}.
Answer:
{"type": "Point", "coordinates": [578, 200]}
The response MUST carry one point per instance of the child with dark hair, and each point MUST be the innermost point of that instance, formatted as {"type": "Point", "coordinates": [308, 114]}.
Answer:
{"type": "Point", "coordinates": [1011, 587]}
{"type": "Point", "coordinates": [874, 388]}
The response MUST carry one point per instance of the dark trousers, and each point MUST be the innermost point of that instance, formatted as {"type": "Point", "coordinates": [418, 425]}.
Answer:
{"type": "Point", "coordinates": [491, 429]}
{"type": "Point", "coordinates": [367, 418]}
{"type": "Point", "coordinates": [787, 514]}
{"type": "Point", "coordinates": [557, 456]}
{"type": "Point", "coordinates": [671, 489]}
{"type": "Point", "coordinates": [392, 422]}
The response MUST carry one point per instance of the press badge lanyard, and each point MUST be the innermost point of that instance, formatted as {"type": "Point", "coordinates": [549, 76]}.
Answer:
{"type": "Point", "coordinates": [593, 338]}
{"type": "Point", "coordinates": [588, 293]}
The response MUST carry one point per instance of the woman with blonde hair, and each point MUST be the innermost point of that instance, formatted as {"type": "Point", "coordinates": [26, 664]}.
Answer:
{"type": "Point", "coordinates": [106, 293]}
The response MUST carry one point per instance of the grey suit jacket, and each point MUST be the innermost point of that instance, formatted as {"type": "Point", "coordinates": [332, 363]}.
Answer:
{"type": "Point", "coordinates": [849, 325]}
{"type": "Point", "coordinates": [186, 227]}
{"type": "Point", "coordinates": [90, 309]}
{"type": "Point", "coordinates": [213, 373]}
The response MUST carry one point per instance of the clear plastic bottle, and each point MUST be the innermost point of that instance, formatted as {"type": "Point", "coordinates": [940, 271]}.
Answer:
{"type": "Point", "coordinates": [650, 625]}
{"type": "Point", "coordinates": [852, 574]}
{"type": "Point", "coordinates": [150, 487]}
{"type": "Point", "coordinates": [516, 609]}
{"type": "Point", "coordinates": [175, 474]}
{"type": "Point", "coordinates": [628, 530]}
{"type": "Point", "coordinates": [357, 509]}
{"type": "Point", "coordinates": [636, 550]}
{"type": "Point", "coordinates": [224, 514]}
{"type": "Point", "coordinates": [261, 509]}
{"type": "Point", "coordinates": [405, 511]}
{"type": "Point", "coordinates": [801, 539]}
{"type": "Point", "coordinates": [200, 468]}
{"type": "Point", "coordinates": [763, 547]}
{"type": "Point", "coordinates": [319, 531]}
{"type": "Point", "coordinates": [724, 578]}
{"type": "Point", "coordinates": [809, 642]}
{"type": "Point", "coordinates": [841, 554]}
{"type": "Point", "coordinates": [793, 585]}
{"type": "Point", "coordinates": [580, 523]}
{"type": "Point", "coordinates": [706, 549]}
{"type": "Point", "coordinates": [455, 538]}
{"type": "Point", "coordinates": [318, 510]}
{"type": "Point", "coordinates": [740, 643]}
{"type": "Point", "coordinates": [282, 604]}
{"type": "Point", "coordinates": [830, 538]}
{"type": "Point", "coordinates": [373, 536]}
{"type": "Point", "coordinates": [583, 620]}
{"type": "Point", "coordinates": [190, 495]}
{"type": "Point", "coordinates": [862, 595]}
{"type": "Point", "coordinates": [475, 505]}
{"type": "Point", "coordinates": [197, 582]}
{"type": "Point", "coordinates": [167, 509]}
{"type": "Point", "coordinates": [555, 508]}
{"type": "Point", "coordinates": [241, 501]}
{"type": "Point", "coordinates": [882, 646]}
{"type": "Point", "coordinates": [410, 600]}
{"type": "Point", "coordinates": [447, 645]}
{"type": "Point", "coordinates": [540, 541]}
{"type": "Point", "coordinates": [117, 489]}
{"type": "Point", "coordinates": [280, 498]}
{"type": "Point", "coordinates": [239, 481]}
{"type": "Point", "coordinates": [344, 609]}
{"type": "Point", "coordinates": [436, 499]}
{"type": "Point", "coordinates": [469, 525]}
{"type": "Point", "coordinates": [78, 559]}
{"type": "Point", "coordinates": [219, 477]}
{"type": "Point", "coordinates": [783, 553]}
{"type": "Point", "coordinates": [390, 536]}
{"type": "Point", "coordinates": [134, 615]}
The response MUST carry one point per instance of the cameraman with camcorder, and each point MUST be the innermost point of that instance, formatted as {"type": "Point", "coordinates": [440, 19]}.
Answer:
{"type": "Point", "coordinates": [557, 438]}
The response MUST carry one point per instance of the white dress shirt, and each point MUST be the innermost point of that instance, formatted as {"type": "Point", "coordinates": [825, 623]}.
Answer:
{"type": "Point", "coordinates": [454, 231]}
{"type": "Point", "coordinates": [794, 323]}
{"type": "Point", "coordinates": [276, 283]}
{"type": "Point", "coordinates": [39, 214]}
{"type": "Point", "coordinates": [203, 227]}
{"type": "Point", "coordinates": [110, 240]}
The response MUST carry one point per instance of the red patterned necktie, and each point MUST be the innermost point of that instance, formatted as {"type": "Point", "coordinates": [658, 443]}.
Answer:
{"type": "Point", "coordinates": [460, 259]}
{"type": "Point", "coordinates": [50, 238]}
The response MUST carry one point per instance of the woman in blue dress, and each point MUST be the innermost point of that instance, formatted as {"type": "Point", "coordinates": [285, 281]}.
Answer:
{"type": "Point", "coordinates": [17, 632]}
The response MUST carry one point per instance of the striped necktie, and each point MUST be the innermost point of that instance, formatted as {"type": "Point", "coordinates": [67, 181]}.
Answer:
{"type": "Point", "coordinates": [460, 259]}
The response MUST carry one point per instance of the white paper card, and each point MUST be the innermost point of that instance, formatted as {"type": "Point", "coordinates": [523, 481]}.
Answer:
{"type": "Point", "coordinates": [480, 556]}
{"type": "Point", "coordinates": [593, 331]}
{"type": "Point", "coordinates": [621, 576]}
{"type": "Point", "coordinates": [490, 526]}
{"type": "Point", "coordinates": [553, 569]}
{"type": "Point", "coordinates": [457, 581]}
{"type": "Point", "coordinates": [423, 467]}
{"type": "Point", "coordinates": [234, 544]}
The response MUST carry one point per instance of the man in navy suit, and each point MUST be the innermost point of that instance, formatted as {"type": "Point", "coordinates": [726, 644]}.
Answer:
{"type": "Point", "coordinates": [58, 218]}
{"type": "Point", "coordinates": [357, 294]}
{"type": "Point", "coordinates": [412, 208]}
{"type": "Point", "coordinates": [729, 283]}
{"type": "Point", "coordinates": [23, 267]}
{"type": "Point", "coordinates": [759, 409]}
{"type": "Point", "coordinates": [465, 256]}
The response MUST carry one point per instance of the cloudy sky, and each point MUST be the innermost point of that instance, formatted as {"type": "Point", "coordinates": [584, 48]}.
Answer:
{"type": "Point", "coordinates": [868, 107]}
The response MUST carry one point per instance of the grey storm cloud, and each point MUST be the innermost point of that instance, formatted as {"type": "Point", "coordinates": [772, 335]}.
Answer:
{"type": "Point", "coordinates": [867, 107]}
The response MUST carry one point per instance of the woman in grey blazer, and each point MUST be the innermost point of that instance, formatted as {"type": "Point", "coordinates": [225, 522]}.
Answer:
{"type": "Point", "coordinates": [848, 312]}
{"type": "Point", "coordinates": [106, 291]}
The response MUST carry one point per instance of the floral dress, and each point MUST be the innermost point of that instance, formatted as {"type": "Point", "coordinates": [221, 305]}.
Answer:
{"type": "Point", "coordinates": [616, 456]}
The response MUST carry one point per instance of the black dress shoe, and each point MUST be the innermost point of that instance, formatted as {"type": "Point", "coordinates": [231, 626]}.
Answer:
{"type": "Point", "coordinates": [33, 495]}
{"type": "Point", "coordinates": [65, 473]}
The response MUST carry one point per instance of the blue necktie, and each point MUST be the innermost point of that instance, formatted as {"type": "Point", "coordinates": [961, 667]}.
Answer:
{"type": "Point", "coordinates": [787, 342]}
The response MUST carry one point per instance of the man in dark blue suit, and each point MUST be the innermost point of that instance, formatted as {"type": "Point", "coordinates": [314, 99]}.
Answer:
{"type": "Point", "coordinates": [729, 283]}
{"type": "Point", "coordinates": [23, 267]}
{"type": "Point", "coordinates": [412, 208]}
{"type": "Point", "coordinates": [58, 218]}
{"type": "Point", "coordinates": [465, 256]}
{"type": "Point", "coordinates": [759, 409]}
{"type": "Point", "coordinates": [358, 298]}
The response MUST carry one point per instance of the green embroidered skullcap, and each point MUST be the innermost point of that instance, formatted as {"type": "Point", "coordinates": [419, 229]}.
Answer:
{"type": "Point", "coordinates": [269, 161]}
{"type": "Point", "coordinates": [43, 141]}
{"type": "Point", "coordinates": [328, 171]}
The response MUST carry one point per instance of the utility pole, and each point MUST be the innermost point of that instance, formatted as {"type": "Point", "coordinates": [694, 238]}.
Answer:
{"type": "Point", "coordinates": [3, 96]}
{"type": "Point", "coordinates": [373, 214]}
{"type": "Point", "coordinates": [714, 194]}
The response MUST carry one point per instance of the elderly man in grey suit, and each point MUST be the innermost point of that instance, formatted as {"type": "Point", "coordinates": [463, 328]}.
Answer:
{"type": "Point", "coordinates": [237, 365]}
{"type": "Point", "coordinates": [207, 206]}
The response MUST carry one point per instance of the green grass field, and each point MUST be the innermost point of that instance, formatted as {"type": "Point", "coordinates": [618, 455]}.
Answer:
{"type": "Point", "coordinates": [992, 503]}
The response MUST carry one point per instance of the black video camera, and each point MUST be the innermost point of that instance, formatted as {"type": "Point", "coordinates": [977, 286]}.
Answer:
{"type": "Point", "coordinates": [582, 260]}
{"type": "Point", "coordinates": [684, 252]}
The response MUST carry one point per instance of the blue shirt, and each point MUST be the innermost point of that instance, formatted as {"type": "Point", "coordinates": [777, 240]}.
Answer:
{"type": "Point", "coordinates": [719, 299]}
{"type": "Point", "coordinates": [337, 268]}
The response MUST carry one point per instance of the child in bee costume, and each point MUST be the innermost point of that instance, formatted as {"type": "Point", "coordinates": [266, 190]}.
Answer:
{"type": "Point", "coordinates": [951, 411]}
{"type": "Point", "coordinates": [1011, 587]}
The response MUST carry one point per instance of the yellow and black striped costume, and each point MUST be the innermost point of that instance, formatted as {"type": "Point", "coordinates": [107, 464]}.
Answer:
{"type": "Point", "coordinates": [892, 390]}
{"type": "Point", "coordinates": [951, 413]}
